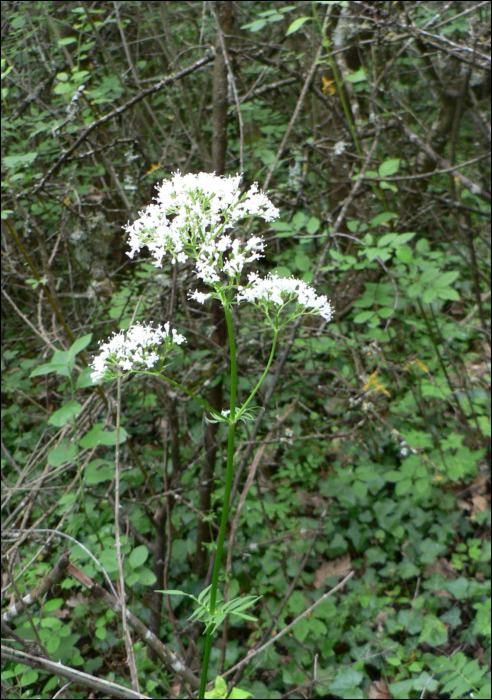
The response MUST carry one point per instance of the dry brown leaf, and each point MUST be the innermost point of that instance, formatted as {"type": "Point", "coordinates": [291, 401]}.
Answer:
{"type": "Point", "coordinates": [480, 503]}
{"type": "Point", "coordinates": [338, 567]}
{"type": "Point", "coordinates": [313, 500]}
{"type": "Point", "coordinates": [379, 689]}
{"type": "Point", "coordinates": [441, 566]}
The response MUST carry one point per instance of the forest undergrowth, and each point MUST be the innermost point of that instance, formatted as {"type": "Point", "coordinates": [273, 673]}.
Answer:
{"type": "Point", "coordinates": [359, 526]}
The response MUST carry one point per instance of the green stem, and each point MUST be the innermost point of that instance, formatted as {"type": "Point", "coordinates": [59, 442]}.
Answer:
{"type": "Point", "coordinates": [201, 401]}
{"type": "Point", "coordinates": [225, 506]}
{"type": "Point", "coordinates": [272, 353]}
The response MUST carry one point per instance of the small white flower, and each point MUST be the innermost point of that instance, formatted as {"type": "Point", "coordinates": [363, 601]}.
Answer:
{"type": "Point", "coordinates": [200, 297]}
{"type": "Point", "coordinates": [339, 148]}
{"type": "Point", "coordinates": [203, 207]}
{"type": "Point", "coordinates": [283, 290]}
{"type": "Point", "coordinates": [134, 349]}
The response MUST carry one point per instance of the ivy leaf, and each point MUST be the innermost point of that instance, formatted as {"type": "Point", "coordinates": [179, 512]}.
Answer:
{"type": "Point", "coordinates": [434, 631]}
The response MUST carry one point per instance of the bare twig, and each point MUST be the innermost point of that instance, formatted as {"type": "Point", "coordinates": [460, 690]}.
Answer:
{"type": "Point", "coordinates": [108, 688]}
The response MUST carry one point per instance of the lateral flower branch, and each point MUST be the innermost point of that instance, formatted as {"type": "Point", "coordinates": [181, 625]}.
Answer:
{"type": "Point", "coordinates": [194, 218]}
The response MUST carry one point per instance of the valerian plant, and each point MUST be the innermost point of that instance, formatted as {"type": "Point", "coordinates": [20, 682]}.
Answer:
{"type": "Point", "coordinates": [194, 218]}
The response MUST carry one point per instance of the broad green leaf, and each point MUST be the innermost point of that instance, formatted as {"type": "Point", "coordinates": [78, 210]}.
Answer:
{"type": "Point", "coordinates": [85, 378]}
{"type": "Point", "coordinates": [313, 225]}
{"type": "Point", "coordinates": [302, 261]}
{"type": "Point", "coordinates": [429, 276]}
{"type": "Point", "coordinates": [220, 689]}
{"type": "Point", "coordinates": [389, 167]}
{"type": "Point", "coordinates": [63, 88]}
{"type": "Point", "coordinates": [434, 631]}
{"type": "Point", "coordinates": [403, 487]}
{"type": "Point", "coordinates": [52, 643]}
{"type": "Point", "coordinates": [52, 604]}
{"type": "Point", "coordinates": [19, 159]}
{"type": "Point", "coordinates": [28, 677]}
{"type": "Point", "coordinates": [388, 186]}
{"type": "Point", "coordinates": [354, 226]}
{"type": "Point", "coordinates": [80, 76]}
{"type": "Point", "coordinates": [448, 293]}
{"type": "Point", "coordinates": [385, 312]}
{"type": "Point", "coordinates": [66, 41]}
{"type": "Point", "coordinates": [281, 226]}
{"type": "Point", "coordinates": [80, 344]}
{"type": "Point", "coordinates": [383, 218]}
{"type": "Point", "coordinates": [458, 587]}
{"type": "Point", "coordinates": [446, 279]}
{"type": "Point", "coordinates": [48, 368]}
{"type": "Point", "coordinates": [65, 414]}
{"type": "Point", "coordinates": [357, 77]}
{"type": "Point", "coordinates": [387, 239]}
{"type": "Point", "coordinates": [363, 316]}
{"type": "Point", "coordinates": [98, 436]}
{"type": "Point", "coordinates": [18, 22]}
{"type": "Point", "coordinates": [65, 452]}
{"type": "Point", "coordinates": [146, 577]}
{"type": "Point", "coordinates": [299, 220]}
{"type": "Point", "coordinates": [394, 476]}
{"type": "Point", "coordinates": [405, 254]}
{"type": "Point", "coordinates": [255, 26]}
{"type": "Point", "coordinates": [395, 240]}
{"type": "Point", "coordinates": [418, 439]}
{"type": "Point", "coordinates": [97, 471]}
{"type": "Point", "coordinates": [138, 556]}
{"type": "Point", "coordinates": [301, 629]}
{"type": "Point", "coordinates": [429, 295]}
{"type": "Point", "coordinates": [414, 290]}
{"type": "Point", "coordinates": [238, 694]}
{"type": "Point", "coordinates": [346, 678]}
{"type": "Point", "coordinates": [296, 24]}
{"type": "Point", "coordinates": [373, 253]}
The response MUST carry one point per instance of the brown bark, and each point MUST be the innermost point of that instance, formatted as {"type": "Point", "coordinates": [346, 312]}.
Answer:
{"type": "Point", "coordinates": [224, 12]}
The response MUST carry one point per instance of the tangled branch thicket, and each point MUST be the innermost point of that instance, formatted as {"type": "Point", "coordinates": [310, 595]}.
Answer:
{"type": "Point", "coordinates": [369, 125]}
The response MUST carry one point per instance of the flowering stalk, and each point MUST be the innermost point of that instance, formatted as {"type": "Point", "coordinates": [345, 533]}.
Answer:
{"type": "Point", "coordinates": [227, 495]}
{"type": "Point", "coordinates": [204, 208]}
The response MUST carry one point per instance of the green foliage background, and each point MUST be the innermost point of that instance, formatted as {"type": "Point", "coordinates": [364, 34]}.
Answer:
{"type": "Point", "coordinates": [374, 447]}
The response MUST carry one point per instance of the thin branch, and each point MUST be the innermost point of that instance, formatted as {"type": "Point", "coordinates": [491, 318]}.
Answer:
{"type": "Point", "coordinates": [116, 112]}
{"type": "Point", "coordinates": [109, 689]}
{"type": "Point", "coordinates": [239, 666]}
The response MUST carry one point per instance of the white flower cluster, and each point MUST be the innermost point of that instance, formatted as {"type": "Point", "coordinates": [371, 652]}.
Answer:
{"type": "Point", "coordinates": [135, 349]}
{"type": "Point", "coordinates": [203, 207]}
{"type": "Point", "coordinates": [283, 290]}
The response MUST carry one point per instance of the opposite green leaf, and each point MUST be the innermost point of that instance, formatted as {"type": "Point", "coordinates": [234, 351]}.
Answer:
{"type": "Point", "coordinates": [80, 344]}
